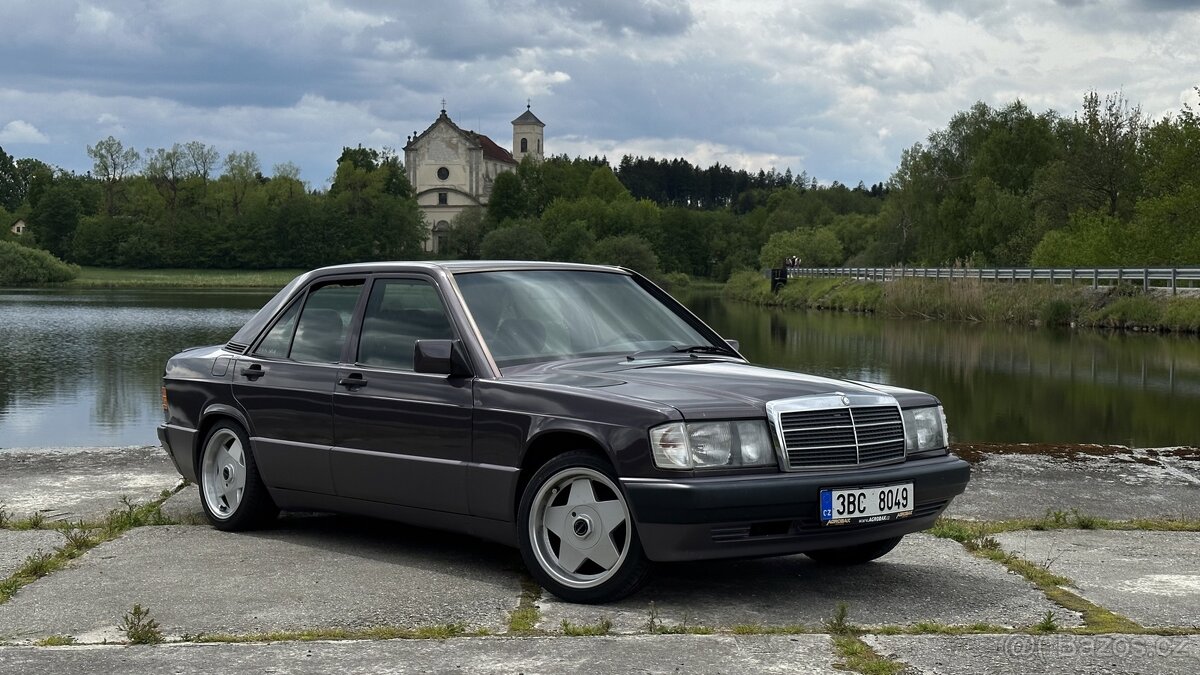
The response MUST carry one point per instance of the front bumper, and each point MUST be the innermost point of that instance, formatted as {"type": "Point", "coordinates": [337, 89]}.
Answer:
{"type": "Point", "coordinates": [743, 516]}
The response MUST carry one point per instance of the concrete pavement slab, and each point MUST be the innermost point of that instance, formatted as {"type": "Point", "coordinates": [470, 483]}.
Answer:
{"type": "Point", "coordinates": [17, 545]}
{"type": "Point", "coordinates": [82, 483]}
{"type": "Point", "coordinates": [321, 572]}
{"type": "Point", "coordinates": [924, 579]}
{"type": "Point", "coordinates": [184, 507]}
{"type": "Point", "coordinates": [1043, 654]}
{"type": "Point", "coordinates": [1150, 577]}
{"type": "Point", "coordinates": [800, 654]}
{"type": "Point", "coordinates": [1117, 484]}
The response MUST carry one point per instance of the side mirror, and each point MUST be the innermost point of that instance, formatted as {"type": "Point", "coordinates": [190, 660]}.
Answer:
{"type": "Point", "coordinates": [441, 357]}
{"type": "Point", "coordinates": [737, 346]}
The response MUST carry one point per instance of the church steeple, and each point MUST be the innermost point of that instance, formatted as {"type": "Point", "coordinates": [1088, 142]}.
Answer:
{"type": "Point", "coordinates": [528, 134]}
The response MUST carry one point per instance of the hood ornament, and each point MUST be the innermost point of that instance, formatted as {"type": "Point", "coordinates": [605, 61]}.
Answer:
{"type": "Point", "coordinates": [845, 400]}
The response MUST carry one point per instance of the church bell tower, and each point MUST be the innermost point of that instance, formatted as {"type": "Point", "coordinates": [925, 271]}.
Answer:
{"type": "Point", "coordinates": [528, 133]}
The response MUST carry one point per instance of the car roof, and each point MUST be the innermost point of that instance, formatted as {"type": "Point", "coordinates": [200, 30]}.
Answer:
{"type": "Point", "coordinates": [459, 266]}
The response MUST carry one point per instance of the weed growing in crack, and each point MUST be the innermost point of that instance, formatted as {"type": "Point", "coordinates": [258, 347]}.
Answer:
{"type": "Point", "coordinates": [1048, 624]}
{"type": "Point", "coordinates": [839, 623]}
{"type": "Point", "coordinates": [139, 628]}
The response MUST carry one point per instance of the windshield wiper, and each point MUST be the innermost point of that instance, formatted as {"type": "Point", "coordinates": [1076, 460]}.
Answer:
{"type": "Point", "coordinates": [699, 349]}
{"type": "Point", "coordinates": [681, 349]}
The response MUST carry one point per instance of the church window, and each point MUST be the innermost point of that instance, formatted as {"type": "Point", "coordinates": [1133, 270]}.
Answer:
{"type": "Point", "coordinates": [539, 146]}
{"type": "Point", "coordinates": [443, 198]}
{"type": "Point", "coordinates": [443, 173]}
{"type": "Point", "coordinates": [524, 145]}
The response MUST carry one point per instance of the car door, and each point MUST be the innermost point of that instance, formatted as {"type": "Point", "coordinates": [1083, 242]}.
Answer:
{"type": "Point", "coordinates": [401, 437]}
{"type": "Point", "coordinates": [285, 384]}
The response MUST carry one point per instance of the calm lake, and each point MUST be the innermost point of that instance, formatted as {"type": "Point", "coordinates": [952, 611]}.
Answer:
{"type": "Point", "coordinates": [82, 368]}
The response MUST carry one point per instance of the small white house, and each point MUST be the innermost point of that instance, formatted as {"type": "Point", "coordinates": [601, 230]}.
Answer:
{"type": "Point", "coordinates": [18, 228]}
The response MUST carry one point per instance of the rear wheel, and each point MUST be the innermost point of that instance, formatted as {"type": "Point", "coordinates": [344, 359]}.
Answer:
{"type": "Point", "coordinates": [855, 555]}
{"type": "Point", "coordinates": [231, 491]}
{"type": "Point", "coordinates": [576, 531]}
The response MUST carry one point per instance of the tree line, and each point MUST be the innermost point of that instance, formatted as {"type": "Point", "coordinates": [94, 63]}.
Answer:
{"type": "Point", "coordinates": [996, 186]}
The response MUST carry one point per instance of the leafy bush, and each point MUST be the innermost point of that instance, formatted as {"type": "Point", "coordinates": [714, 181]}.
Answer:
{"type": "Point", "coordinates": [22, 265]}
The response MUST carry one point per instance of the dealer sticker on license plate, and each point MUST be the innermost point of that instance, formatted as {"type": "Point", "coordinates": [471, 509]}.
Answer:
{"type": "Point", "coordinates": [866, 505]}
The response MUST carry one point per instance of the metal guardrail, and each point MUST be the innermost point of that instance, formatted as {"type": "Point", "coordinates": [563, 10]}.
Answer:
{"type": "Point", "coordinates": [1158, 277]}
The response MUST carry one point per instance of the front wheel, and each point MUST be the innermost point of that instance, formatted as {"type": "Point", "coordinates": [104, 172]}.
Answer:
{"type": "Point", "coordinates": [855, 555]}
{"type": "Point", "coordinates": [231, 491]}
{"type": "Point", "coordinates": [576, 532]}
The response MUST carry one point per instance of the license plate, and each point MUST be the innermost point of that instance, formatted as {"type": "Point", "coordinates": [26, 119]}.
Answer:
{"type": "Point", "coordinates": [866, 505]}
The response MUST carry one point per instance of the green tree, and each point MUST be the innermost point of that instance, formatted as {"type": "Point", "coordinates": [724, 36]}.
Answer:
{"type": "Point", "coordinates": [54, 220]}
{"type": "Point", "coordinates": [241, 171]}
{"type": "Point", "coordinates": [11, 194]}
{"type": "Point", "coordinates": [815, 248]}
{"type": "Point", "coordinates": [111, 163]}
{"type": "Point", "coordinates": [629, 251]}
{"type": "Point", "coordinates": [467, 231]}
{"type": "Point", "coordinates": [572, 243]}
{"type": "Point", "coordinates": [508, 200]}
{"type": "Point", "coordinates": [603, 184]}
{"type": "Point", "coordinates": [519, 241]}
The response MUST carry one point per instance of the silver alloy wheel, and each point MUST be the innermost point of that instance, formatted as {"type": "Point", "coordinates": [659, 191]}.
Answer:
{"type": "Point", "coordinates": [223, 473]}
{"type": "Point", "coordinates": [580, 539]}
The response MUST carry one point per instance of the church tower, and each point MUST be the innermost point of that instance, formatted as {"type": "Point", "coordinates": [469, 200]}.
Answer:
{"type": "Point", "coordinates": [527, 136]}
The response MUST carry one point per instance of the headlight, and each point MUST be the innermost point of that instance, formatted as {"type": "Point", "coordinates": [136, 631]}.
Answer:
{"type": "Point", "coordinates": [925, 429]}
{"type": "Point", "coordinates": [681, 445]}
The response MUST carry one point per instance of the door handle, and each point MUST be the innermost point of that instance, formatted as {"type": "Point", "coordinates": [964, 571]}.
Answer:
{"type": "Point", "coordinates": [353, 382]}
{"type": "Point", "coordinates": [253, 372]}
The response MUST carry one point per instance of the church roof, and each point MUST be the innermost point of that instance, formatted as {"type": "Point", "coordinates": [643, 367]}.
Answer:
{"type": "Point", "coordinates": [528, 117]}
{"type": "Point", "coordinates": [491, 150]}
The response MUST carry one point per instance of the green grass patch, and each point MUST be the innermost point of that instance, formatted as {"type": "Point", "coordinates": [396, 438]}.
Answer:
{"type": "Point", "coordinates": [101, 277]}
{"type": "Point", "coordinates": [1124, 307]}
{"type": "Point", "coordinates": [524, 619]}
{"type": "Point", "coordinates": [656, 626]}
{"type": "Point", "coordinates": [55, 641]}
{"type": "Point", "coordinates": [601, 627]}
{"type": "Point", "coordinates": [858, 656]}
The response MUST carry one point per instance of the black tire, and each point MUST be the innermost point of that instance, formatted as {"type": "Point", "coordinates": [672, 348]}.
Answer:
{"type": "Point", "coordinates": [599, 558]}
{"type": "Point", "coordinates": [231, 491]}
{"type": "Point", "coordinates": [854, 555]}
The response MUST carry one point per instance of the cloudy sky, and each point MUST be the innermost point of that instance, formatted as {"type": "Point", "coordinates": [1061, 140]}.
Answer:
{"type": "Point", "coordinates": [835, 88]}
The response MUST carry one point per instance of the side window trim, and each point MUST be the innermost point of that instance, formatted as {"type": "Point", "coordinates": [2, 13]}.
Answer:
{"type": "Point", "coordinates": [354, 337]}
{"type": "Point", "coordinates": [301, 298]}
{"type": "Point", "coordinates": [297, 303]}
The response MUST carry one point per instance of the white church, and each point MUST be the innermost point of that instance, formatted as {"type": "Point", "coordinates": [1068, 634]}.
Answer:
{"type": "Point", "coordinates": [452, 169]}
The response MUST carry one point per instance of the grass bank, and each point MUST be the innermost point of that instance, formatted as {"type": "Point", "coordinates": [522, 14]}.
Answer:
{"type": "Point", "coordinates": [1116, 307]}
{"type": "Point", "coordinates": [102, 277]}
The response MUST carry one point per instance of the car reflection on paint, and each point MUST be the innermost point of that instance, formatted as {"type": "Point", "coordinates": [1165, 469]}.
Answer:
{"type": "Point", "coordinates": [576, 412]}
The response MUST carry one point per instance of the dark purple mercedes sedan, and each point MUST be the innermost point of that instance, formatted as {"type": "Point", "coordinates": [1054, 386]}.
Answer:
{"type": "Point", "coordinates": [577, 412]}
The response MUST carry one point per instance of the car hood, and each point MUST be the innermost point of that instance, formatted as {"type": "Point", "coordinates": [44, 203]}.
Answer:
{"type": "Point", "coordinates": [700, 387]}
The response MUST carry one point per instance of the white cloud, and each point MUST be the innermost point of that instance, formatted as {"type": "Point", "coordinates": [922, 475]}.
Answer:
{"type": "Point", "coordinates": [20, 131]}
{"type": "Point", "coordinates": [537, 81]}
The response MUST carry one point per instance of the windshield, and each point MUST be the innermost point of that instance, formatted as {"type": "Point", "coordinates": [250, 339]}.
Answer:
{"type": "Point", "coordinates": [547, 315]}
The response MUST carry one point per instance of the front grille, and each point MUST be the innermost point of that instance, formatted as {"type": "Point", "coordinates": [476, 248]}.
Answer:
{"type": "Point", "coordinates": [833, 431]}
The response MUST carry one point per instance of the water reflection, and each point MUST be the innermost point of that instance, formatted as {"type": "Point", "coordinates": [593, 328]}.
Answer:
{"type": "Point", "coordinates": [999, 383]}
{"type": "Point", "coordinates": [83, 367]}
